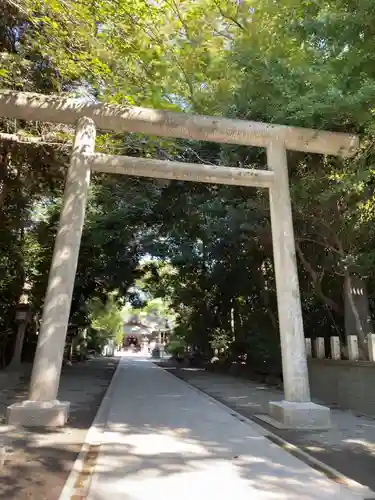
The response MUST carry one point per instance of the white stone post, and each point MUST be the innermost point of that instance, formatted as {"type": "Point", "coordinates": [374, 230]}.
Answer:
{"type": "Point", "coordinates": [371, 346]}
{"type": "Point", "coordinates": [296, 411]}
{"type": "Point", "coordinates": [42, 408]}
{"type": "Point", "coordinates": [320, 348]}
{"type": "Point", "coordinates": [353, 351]}
{"type": "Point", "coordinates": [335, 348]}
{"type": "Point", "coordinates": [308, 348]}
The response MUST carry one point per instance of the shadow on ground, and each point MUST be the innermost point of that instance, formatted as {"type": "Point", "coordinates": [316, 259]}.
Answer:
{"type": "Point", "coordinates": [165, 441]}
{"type": "Point", "coordinates": [39, 461]}
{"type": "Point", "coordinates": [182, 456]}
{"type": "Point", "coordinates": [349, 447]}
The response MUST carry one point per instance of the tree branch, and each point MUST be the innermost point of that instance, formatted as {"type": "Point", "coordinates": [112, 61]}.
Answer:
{"type": "Point", "coordinates": [226, 16]}
{"type": "Point", "coordinates": [323, 244]}
{"type": "Point", "coordinates": [316, 279]}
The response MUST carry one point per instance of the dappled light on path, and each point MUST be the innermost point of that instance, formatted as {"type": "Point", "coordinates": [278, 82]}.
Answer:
{"type": "Point", "coordinates": [38, 461]}
{"type": "Point", "coordinates": [163, 439]}
{"type": "Point", "coordinates": [348, 447]}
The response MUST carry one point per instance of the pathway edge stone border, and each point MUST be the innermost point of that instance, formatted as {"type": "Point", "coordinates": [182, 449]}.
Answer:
{"type": "Point", "coordinates": [93, 439]}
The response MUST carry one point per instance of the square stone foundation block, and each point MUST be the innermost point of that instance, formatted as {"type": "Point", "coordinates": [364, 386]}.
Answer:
{"type": "Point", "coordinates": [289, 415]}
{"type": "Point", "coordinates": [38, 413]}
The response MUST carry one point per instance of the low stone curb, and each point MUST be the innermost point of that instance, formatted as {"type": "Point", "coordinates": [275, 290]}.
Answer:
{"type": "Point", "coordinates": [78, 483]}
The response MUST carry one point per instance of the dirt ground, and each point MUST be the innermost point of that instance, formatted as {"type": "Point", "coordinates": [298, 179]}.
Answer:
{"type": "Point", "coordinates": [349, 447]}
{"type": "Point", "coordinates": [38, 462]}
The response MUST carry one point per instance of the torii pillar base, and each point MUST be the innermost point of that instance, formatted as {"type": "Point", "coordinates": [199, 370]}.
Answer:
{"type": "Point", "coordinates": [38, 413]}
{"type": "Point", "coordinates": [297, 416]}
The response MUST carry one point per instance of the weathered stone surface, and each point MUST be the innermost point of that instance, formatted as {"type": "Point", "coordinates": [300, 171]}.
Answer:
{"type": "Point", "coordinates": [277, 139]}
{"type": "Point", "coordinates": [39, 107]}
{"type": "Point", "coordinates": [371, 347]}
{"type": "Point", "coordinates": [51, 340]}
{"type": "Point", "coordinates": [308, 345]}
{"type": "Point", "coordinates": [353, 349]}
{"type": "Point", "coordinates": [293, 348]}
{"type": "Point", "coordinates": [193, 172]}
{"type": "Point", "coordinates": [320, 348]}
{"type": "Point", "coordinates": [335, 348]}
{"type": "Point", "coordinates": [38, 413]}
{"type": "Point", "coordinates": [300, 415]}
{"type": "Point", "coordinates": [348, 384]}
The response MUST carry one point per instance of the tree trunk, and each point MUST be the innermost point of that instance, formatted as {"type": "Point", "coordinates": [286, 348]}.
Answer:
{"type": "Point", "coordinates": [265, 294]}
{"type": "Point", "coordinates": [4, 160]}
{"type": "Point", "coordinates": [316, 280]}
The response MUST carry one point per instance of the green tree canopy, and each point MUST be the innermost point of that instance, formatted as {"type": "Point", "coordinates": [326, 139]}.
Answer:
{"type": "Point", "coordinates": [302, 63]}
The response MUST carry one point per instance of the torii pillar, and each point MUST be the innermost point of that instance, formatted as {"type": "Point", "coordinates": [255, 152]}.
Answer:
{"type": "Point", "coordinates": [297, 410]}
{"type": "Point", "coordinates": [42, 407]}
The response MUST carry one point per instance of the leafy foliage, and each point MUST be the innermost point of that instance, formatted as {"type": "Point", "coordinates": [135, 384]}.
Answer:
{"type": "Point", "coordinates": [106, 319]}
{"type": "Point", "coordinates": [300, 63]}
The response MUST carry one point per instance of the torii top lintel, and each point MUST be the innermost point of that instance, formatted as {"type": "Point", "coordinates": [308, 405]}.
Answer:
{"type": "Point", "coordinates": [57, 109]}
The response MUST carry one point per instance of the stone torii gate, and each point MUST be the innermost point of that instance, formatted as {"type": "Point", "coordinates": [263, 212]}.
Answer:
{"type": "Point", "coordinates": [42, 408]}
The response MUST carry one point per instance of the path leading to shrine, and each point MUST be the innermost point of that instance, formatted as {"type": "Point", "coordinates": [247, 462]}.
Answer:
{"type": "Point", "coordinates": [157, 437]}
